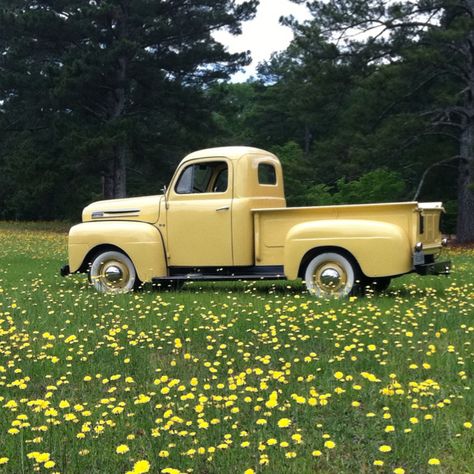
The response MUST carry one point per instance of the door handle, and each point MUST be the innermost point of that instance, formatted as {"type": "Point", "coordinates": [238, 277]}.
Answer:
{"type": "Point", "coordinates": [225, 208]}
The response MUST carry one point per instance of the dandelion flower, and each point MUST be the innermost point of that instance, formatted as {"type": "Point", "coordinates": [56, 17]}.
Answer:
{"type": "Point", "coordinates": [122, 449]}
{"type": "Point", "coordinates": [284, 422]}
{"type": "Point", "coordinates": [141, 467]}
{"type": "Point", "coordinates": [42, 457]}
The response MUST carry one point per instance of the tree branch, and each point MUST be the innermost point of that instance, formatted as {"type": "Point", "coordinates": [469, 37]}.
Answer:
{"type": "Point", "coordinates": [427, 170]}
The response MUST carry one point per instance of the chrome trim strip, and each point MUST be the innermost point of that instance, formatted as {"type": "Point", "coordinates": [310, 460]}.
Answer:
{"type": "Point", "coordinates": [120, 212]}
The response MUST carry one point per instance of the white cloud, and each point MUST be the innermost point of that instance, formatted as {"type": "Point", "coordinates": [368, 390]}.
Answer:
{"type": "Point", "coordinates": [264, 34]}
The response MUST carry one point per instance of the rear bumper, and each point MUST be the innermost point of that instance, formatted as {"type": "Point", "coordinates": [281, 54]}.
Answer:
{"type": "Point", "coordinates": [435, 268]}
{"type": "Point", "coordinates": [65, 271]}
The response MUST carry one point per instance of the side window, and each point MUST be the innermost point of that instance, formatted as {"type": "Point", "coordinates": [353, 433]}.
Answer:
{"type": "Point", "coordinates": [266, 174]}
{"type": "Point", "coordinates": [208, 177]}
{"type": "Point", "coordinates": [185, 182]}
{"type": "Point", "coordinates": [220, 185]}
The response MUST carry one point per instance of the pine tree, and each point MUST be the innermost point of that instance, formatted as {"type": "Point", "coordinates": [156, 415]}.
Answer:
{"type": "Point", "coordinates": [433, 42]}
{"type": "Point", "coordinates": [118, 72]}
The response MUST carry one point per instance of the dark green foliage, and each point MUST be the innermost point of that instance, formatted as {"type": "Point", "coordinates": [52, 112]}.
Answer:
{"type": "Point", "coordinates": [91, 92]}
{"type": "Point", "coordinates": [302, 187]}
{"type": "Point", "coordinates": [379, 106]}
{"type": "Point", "coordinates": [413, 103]}
{"type": "Point", "coordinates": [114, 90]}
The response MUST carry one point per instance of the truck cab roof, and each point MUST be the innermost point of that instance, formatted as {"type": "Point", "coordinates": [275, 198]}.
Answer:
{"type": "Point", "coordinates": [230, 152]}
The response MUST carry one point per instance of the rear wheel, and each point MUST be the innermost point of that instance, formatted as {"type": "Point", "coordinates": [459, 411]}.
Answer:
{"type": "Point", "coordinates": [331, 274]}
{"type": "Point", "coordinates": [113, 272]}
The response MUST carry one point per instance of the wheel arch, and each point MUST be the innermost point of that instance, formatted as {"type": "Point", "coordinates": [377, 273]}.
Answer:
{"type": "Point", "coordinates": [141, 242]}
{"type": "Point", "coordinates": [94, 252]}
{"type": "Point", "coordinates": [379, 248]}
{"type": "Point", "coordinates": [315, 251]}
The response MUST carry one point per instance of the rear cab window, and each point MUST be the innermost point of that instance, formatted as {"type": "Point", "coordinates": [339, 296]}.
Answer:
{"type": "Point", "coordinates": [267, 174]}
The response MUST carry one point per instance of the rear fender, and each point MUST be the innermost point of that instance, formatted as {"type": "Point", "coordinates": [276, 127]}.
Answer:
{"type": "Point", "coordinates": [380, 248]}
{"type": "Point", "coordinates": [142, 243]}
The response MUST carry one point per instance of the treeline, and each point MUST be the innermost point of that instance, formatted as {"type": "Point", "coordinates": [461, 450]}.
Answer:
{"type": "Point", "coordinates": [372, 101]}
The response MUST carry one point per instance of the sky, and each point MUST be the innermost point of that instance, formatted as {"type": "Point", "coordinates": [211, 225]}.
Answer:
{"type": "Point", "coordinates": [263, 35]}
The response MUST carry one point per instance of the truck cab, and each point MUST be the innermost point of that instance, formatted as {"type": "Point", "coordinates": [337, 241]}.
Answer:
{"type": "Point", "coordinates": [212, 193]}
{"type": "Point", "coordinates": [224, 216]}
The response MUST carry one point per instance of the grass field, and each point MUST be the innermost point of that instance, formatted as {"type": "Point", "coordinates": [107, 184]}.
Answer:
{"type": "Point", "coordinates": [230, 378]}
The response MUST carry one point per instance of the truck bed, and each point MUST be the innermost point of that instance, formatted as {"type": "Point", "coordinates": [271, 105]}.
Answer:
{"type": "Point", "coordinates": [272, 225]}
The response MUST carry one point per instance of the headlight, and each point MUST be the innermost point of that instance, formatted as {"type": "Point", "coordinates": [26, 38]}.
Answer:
{"type": "Point", "coordinates": [419, 247]}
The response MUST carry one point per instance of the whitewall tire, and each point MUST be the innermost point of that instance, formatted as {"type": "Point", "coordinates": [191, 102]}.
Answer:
{"type": "Point", "coordinates": [330, 275]}
{"type": "Point", "coordinates": [113, 272]}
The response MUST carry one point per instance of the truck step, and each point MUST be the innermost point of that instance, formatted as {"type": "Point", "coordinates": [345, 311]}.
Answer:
{"type": "Point", "coordinates": [204, 277]}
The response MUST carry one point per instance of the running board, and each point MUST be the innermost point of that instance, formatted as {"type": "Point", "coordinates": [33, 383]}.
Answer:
{"type": "Point", "coordinates": [204, 277]}
{"type": "Point", "coordinates": [270, 272]}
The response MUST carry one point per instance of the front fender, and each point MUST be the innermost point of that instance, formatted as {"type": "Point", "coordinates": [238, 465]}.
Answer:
{"type": "Point", "coordinates": [142, 242]}
{"type": "Point", "coordinates": [380, 248]}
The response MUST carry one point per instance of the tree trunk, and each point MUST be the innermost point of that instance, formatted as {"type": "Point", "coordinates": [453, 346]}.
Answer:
{"type": "Point", "coordinates": [308, 138]}
{"type": "Point", "coordinates": [120, 178]}
{"type": "Point", "coordinates": [114, 178]}
{"type": "Point", "coordinates": [465, 224]}
{"type": "Point", "coordinates": [108, 183]}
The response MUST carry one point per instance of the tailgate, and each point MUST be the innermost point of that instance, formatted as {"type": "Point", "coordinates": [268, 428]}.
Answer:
{"type": "Point", "coordinates": [428, 231]}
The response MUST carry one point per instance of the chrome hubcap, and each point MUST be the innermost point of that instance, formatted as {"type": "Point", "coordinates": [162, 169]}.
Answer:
{"type": "Point", "coordinates": [113, 274]}
{"type": "Point", "coordinates": [330, 277]}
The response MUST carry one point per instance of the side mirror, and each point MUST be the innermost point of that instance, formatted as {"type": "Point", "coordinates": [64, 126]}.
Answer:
{"type": "Point", "coordinates": [164, 189]}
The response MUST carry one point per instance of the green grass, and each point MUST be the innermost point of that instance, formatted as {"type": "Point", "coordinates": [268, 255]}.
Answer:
{"type": "Point", "coordinates": [204, 363]}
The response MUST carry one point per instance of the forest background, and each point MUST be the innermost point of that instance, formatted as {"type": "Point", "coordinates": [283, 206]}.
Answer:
{"type": "Point", "coordinates": [373, 101]}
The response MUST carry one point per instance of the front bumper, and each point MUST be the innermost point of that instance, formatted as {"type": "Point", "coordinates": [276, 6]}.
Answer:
{"type": "Point", "coordinates": [435, 268]}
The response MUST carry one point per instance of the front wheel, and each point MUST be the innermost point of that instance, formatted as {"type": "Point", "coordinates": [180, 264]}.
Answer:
{"type": "Point", "coordinates": [113, 272]}
{"type": "Point", "coordinates": [330, 275]}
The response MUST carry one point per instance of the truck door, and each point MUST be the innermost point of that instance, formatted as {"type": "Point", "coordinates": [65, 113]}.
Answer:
{"type": "Point", "coordinates": [199, 215]}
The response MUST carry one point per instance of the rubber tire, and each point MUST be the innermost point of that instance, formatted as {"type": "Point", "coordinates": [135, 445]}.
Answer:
{"type": "Point", "coordinates": [170, 285]}
{"type": "Point", "coordinates": [351, 271]}
{"type": "Point", "coordinates": [132, 282]}
{"type": "Point", "coordinates": [377, 285]}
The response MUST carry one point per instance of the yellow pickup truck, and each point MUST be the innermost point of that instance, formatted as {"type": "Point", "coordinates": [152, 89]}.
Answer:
{"type": "Point", "coordinates": [224, 217]}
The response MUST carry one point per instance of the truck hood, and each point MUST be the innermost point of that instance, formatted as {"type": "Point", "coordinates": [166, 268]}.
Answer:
{"type": "Point", "coordinates": [143, 209]}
